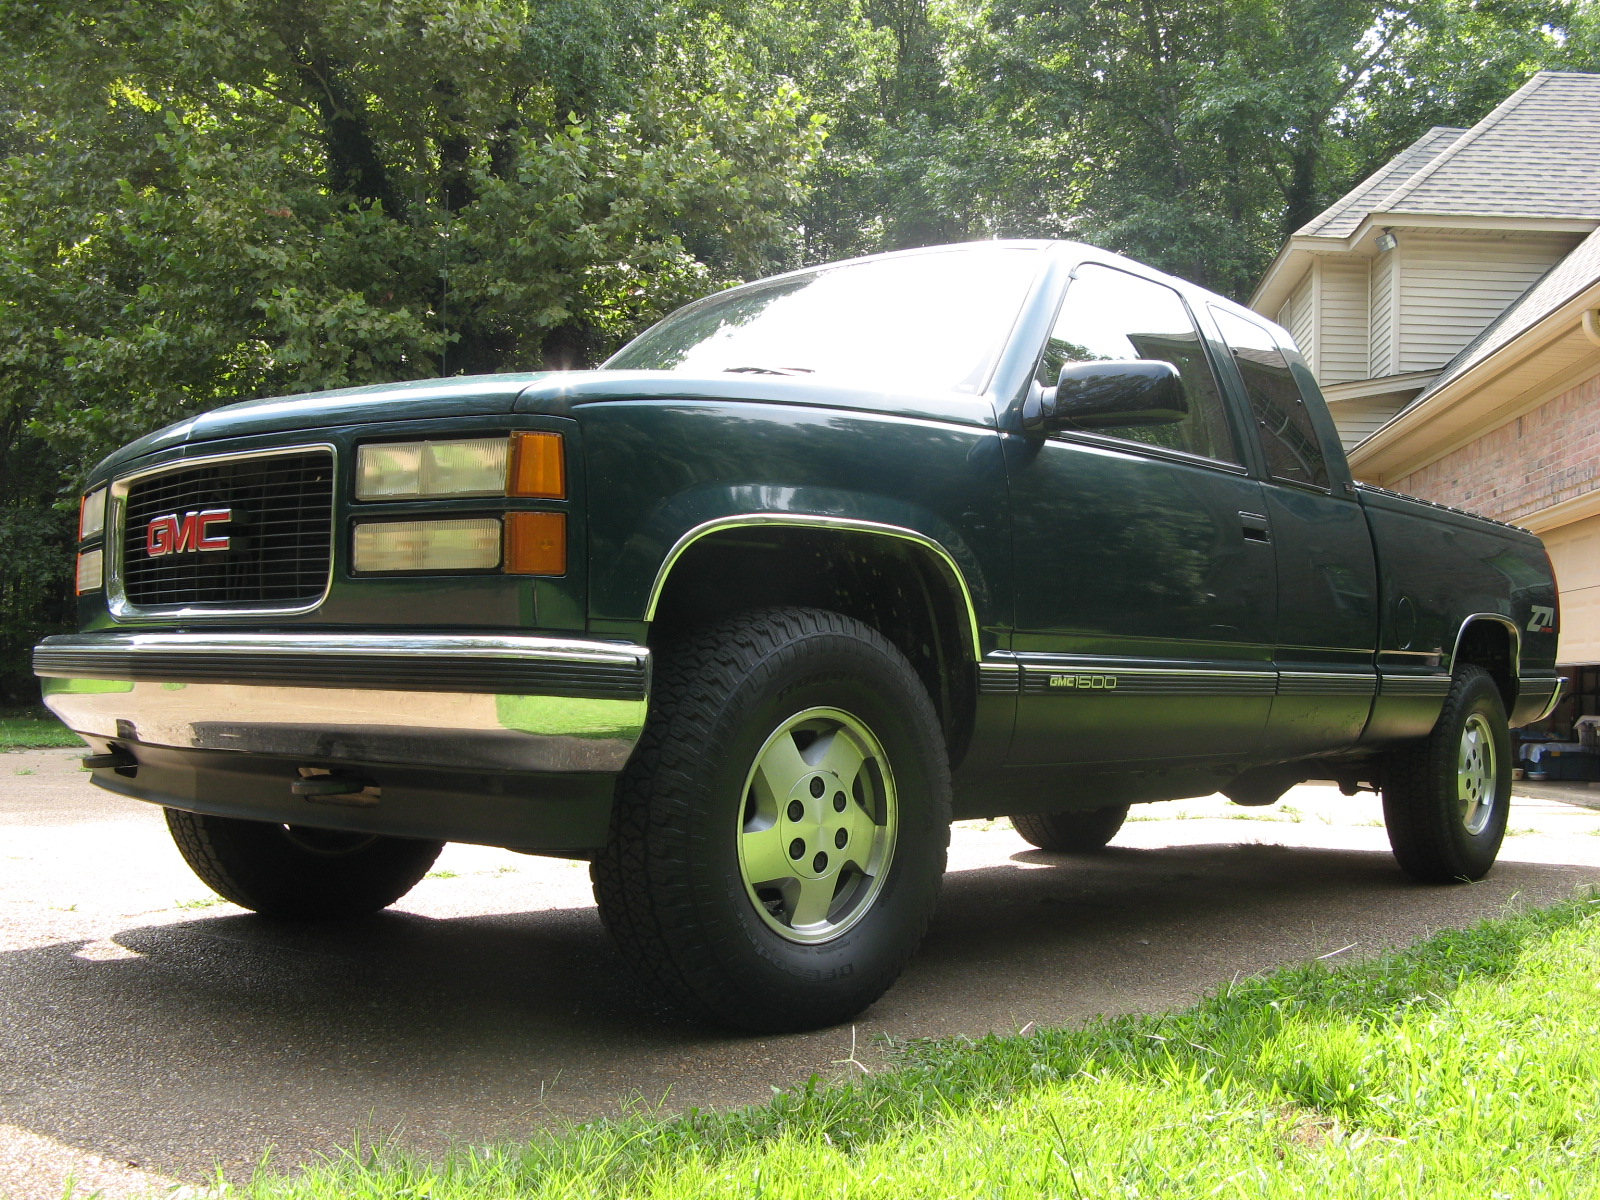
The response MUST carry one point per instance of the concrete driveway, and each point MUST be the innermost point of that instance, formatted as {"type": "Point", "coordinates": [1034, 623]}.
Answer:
{"type": "Point", "coordinates": [150, 1033]}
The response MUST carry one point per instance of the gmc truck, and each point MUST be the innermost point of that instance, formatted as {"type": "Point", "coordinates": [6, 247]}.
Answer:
{"type": "Point", "coordinates": [748, 615]}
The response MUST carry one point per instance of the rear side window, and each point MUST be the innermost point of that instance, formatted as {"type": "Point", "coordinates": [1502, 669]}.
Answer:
{"type": "Point", "coordinates": [1110, 315]}
{"type": "Point", "coordinates": [1294, 452]}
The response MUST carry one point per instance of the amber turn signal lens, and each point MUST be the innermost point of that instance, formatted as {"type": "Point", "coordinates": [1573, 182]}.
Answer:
{"type": "Point", "coordinates": [536, 543]}
{"type": "Point", "coordinates": [537, 469]}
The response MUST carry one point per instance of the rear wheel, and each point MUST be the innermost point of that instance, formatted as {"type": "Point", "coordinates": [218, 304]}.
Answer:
{"type": "Point", "coordinates": [779, 835]}
{"type": "Point", "coordinates": [1446, 799]}
{"type": "Point", "coordinates": [297, 872]}
{"type": "Point", "coordinates": [1071, 832]}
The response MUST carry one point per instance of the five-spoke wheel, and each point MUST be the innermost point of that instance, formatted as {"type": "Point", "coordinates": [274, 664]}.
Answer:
{"type": "Point", "coordinates": [817, 833]}
{"type": "Point", "coordinates": [1476, 774]}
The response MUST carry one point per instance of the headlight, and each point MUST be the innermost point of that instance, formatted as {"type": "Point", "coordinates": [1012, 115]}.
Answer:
{"type": "Point", "coordinates": [401, 470]}
{"type": "Point", "coordinates": [92, 515]}
{"type": "Point", "coordinates": [468, 545]}
{"type": "Point", "coordinates": [524, 464]}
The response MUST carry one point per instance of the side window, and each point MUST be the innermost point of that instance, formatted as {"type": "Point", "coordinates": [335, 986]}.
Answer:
{"type": "Point", "coordinates": [1110, 315]}
{"type": "Point", "coordinates": [1294, 452]}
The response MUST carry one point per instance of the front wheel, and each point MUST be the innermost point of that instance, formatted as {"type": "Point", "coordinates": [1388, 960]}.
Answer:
{"type": "Point", "coordinates": [297, 872]}
{"type": "Point", "coordinates": [1446, 799]}
{"type": "Point", "coordinates": [779, 836]}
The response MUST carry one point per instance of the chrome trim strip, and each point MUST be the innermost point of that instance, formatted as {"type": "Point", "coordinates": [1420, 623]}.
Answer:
{"type": "Point", "coordinates": [116, 501]}
{"type": "Point", "coordinates": [1327, 683]}
{"type": "Point", "coordinates": [1115, 676]}
{"type": "Point", "coordinates": [1425, 686]}
{"type": "Point", "coordinates": [441, 663]}
{"type": "Point", "coordinates": [999, 679]}
{"type": "Point", "coordinates": [478, 732]}
{"type": "Point", "coordinates": [1145, 678]}
{"type": "Point", "coordinates": [808, 521]}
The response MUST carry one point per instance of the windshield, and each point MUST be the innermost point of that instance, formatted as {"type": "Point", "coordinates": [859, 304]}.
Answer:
{"type": "Point", "coordinates": [922, 322]}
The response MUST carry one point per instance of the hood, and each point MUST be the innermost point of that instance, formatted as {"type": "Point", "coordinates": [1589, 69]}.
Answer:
{"type": "Point", "coordinates": [554, 392]}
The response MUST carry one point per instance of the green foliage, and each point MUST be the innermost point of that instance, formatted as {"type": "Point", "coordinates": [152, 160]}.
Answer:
{"type": "Point", "coordinates": [269, 197]}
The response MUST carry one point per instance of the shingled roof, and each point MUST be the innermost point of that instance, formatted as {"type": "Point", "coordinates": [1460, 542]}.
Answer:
{"type": "Point", "coordinates": [1536, 155]}
{"type": "Point", "coordinates": [1374, 193]}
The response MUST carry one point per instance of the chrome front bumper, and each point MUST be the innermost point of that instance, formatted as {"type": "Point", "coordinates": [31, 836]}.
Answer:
{"type": "Point", "coordinates": [476, 702]}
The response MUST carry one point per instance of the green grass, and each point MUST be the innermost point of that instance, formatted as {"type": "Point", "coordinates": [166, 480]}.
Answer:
{"type": "Point", "coordinates": [1463, 1067]}
{"type": "Point", "coordinates": [30, 728]}
{"type": "Point", "coordinates": [201, 902]}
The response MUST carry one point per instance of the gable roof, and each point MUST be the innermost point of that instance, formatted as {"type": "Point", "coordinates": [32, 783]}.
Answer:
{"type": "Point", "coordinates": [1576, 273]}
{"type": "Point", "coordinates": [1536, 155]}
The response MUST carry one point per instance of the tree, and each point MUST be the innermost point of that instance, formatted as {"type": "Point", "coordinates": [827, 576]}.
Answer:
{"type": "Point", "coordinates": [1197, 135]}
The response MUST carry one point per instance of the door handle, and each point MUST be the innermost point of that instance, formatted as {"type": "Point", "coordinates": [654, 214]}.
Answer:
{"type": "Point", "coordinates": [1255, 526]}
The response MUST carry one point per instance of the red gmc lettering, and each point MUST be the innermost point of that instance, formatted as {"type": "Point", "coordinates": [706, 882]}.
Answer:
{"type": "Point", "coordinates": [192, 532]}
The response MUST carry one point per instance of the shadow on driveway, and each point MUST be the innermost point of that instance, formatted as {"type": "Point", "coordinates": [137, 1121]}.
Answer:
{"type": "Point", "coordinates": [203, 1042]}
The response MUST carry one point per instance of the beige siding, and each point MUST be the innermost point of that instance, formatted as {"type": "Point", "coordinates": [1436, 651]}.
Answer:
{"type": "Point", "coordinates": [1342, 352]}
{"type": "Point", "coordinates": [1452, 287]}
{"type": "Point", "coordinates": [1575, 554]}
{"type": "Point", "coordinates": [1358, 420]}
{"type": "Point", "coordinates": [1382, 320]}
{"type": "Point", "coordinates": [1298, 320]}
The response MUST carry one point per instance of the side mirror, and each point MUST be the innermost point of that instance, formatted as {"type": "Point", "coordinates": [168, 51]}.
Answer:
{"type": "Point", "coordinates": [1103, 395]}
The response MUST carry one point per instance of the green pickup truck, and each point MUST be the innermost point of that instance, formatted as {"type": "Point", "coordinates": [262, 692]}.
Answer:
{"type": "Point", "coordinates": [747, 616]}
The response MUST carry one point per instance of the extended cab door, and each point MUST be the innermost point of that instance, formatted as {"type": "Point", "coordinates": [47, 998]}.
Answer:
{"type": "Point", "coordinates": [1327, 579]}
{"type": "Point", "coordinates": [1146, 592]}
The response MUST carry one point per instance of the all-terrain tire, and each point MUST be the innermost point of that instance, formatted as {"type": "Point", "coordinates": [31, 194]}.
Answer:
{"type": "Point", "coordinates": [712, 853]}
{"type": "Point", "coordinates": [296, 872]}
{"type": "Point", "coordinates": [1446, 798]}
{"type": "Point", "coordinates": [1071, 832]}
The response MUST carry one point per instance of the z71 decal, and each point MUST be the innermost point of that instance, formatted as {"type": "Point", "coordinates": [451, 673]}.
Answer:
{"type": "Point", "coordinates": [1543, 619]}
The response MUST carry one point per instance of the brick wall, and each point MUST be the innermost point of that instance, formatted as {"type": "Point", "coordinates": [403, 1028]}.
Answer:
{"type": "Point", "coordinates": [1542, 458]}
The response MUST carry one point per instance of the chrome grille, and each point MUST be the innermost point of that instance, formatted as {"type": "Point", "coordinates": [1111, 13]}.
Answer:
{"type": "Point", "coordinates": [280, 533]}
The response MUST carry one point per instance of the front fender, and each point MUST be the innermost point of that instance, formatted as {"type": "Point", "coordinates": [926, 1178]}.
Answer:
{"type": "Point", "coordinates": [662, 475]}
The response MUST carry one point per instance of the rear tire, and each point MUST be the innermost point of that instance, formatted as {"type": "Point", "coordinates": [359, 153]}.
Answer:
{"type": "Point", "coordinates": [1446, 798]}
{"type": "Point", "coordinates": [779, 835]}
{"type": "Point", "coordinates": [1071, 832]}
{"type": "Point", "coordinates": [296, 872]}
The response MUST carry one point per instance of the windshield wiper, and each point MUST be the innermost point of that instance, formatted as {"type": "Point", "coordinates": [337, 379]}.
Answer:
{"type": "Point", "coordinates": [770, 370]}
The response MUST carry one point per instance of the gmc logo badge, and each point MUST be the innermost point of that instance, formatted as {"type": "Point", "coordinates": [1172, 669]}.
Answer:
{"type": "Point", "coordinates": [187, 534]}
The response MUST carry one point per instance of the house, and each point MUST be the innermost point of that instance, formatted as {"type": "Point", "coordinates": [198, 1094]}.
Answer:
{"type": "Point", "coordinates": [1449, 306]}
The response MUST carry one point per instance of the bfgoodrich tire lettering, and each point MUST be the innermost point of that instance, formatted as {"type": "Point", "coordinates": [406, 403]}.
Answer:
{"type": "Point", "coordinates": [729, 820]}
{"type": "Point", "coordinates": [299, 873]}
{"type": "Point", "coordinates": [1446, 799]}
